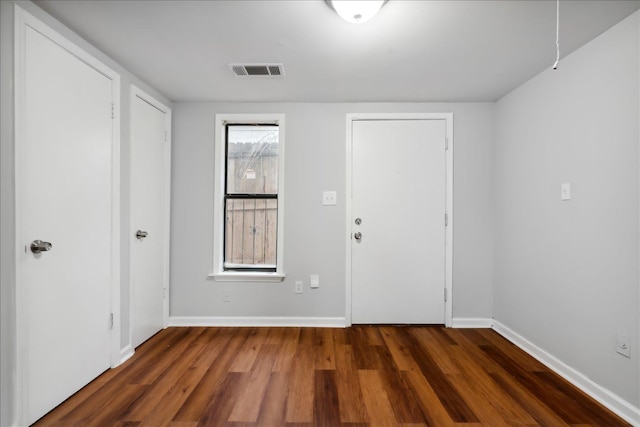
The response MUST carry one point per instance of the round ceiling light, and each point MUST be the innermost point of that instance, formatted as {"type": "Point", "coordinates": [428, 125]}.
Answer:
{"type": "Point", "coordinates": [357, 11]}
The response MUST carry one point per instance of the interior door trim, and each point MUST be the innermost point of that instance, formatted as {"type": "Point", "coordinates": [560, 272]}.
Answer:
{"type": "Point", "coordinates": [136, 92]}
{"type": "Point", "coordinates": [22, 21]}
{"type": "Point", "coordinates": [448, 117]}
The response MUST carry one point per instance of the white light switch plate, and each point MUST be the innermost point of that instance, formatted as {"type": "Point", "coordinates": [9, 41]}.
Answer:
{"type": "Point", "coordinates": [565, 191]}
{"type": "Point", "coordinates": [329, 198]}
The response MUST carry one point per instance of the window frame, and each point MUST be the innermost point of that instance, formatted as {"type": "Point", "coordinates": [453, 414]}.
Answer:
{"type": "Point", "coordinates": [220, 171]}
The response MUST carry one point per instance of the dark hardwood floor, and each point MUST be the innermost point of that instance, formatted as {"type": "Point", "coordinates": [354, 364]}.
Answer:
{"type": "Point", "coordinates": [356, 377]}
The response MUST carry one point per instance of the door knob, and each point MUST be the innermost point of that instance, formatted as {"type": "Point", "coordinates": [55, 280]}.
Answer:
{"type": "Point", "coordinates": [141, 234]}
{"type": "Point", "coordinates": [358, 236]}
{"type": "Point", "coordinates": [38, 246]}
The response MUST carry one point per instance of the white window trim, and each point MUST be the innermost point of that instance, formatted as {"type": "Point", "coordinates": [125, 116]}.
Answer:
{"type": "Point", "coordinates": [218, 199]}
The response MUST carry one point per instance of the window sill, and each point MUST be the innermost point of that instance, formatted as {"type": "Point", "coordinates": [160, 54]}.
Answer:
{"type": "Point", "coordinates": [247, 277]}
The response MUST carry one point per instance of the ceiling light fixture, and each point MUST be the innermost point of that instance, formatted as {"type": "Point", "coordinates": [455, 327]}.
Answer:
{"type": "Point", "coordinates": [356, 11]}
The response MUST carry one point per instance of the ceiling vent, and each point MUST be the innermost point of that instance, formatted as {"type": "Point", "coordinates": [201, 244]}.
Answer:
{"type": "Point", "coordinates": [276, 70]}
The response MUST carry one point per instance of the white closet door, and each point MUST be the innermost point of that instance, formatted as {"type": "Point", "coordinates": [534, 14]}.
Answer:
{"type": "Point", "coordinates": [149, 216]}
{"type": "Point", "coordinates": [64, 169]}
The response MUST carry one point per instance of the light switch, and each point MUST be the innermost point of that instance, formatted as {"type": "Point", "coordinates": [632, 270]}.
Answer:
{"type": "Point", "coordinates": [329, 198]}
{"type": "Point", "coordinates": [565, 191]}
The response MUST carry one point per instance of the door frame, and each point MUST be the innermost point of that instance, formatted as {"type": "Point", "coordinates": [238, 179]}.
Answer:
{"type": "Point", "coordinates": [144, 96]}
{"type": "Point", "coordinates": [22, 20]}
{"type": "Point", "coordinates": [448, 117]}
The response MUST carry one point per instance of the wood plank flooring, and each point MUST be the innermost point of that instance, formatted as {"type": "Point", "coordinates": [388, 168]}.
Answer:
{"type": "Point", "coordinates": [363, 376]}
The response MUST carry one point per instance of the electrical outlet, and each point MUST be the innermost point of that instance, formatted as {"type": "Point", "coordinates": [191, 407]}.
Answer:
{"type": "Point", "coordinates": [298, 287]}
{"type": "Point", "coordinates": [314, 281]}
{"type": "Point", "coordinates": [622, 345]}
{"type": "Point", "coordinates": [329, 198]}
{"type": "Point", "coordinates": [226, 295]}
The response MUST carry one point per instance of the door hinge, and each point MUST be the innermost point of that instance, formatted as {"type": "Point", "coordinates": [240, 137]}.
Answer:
{"type": "Point", "coordinates": [446, 219]}
{"type": "Point", "coordinates": [165, 136]}
{"type": "Point", "coordinates": [113, 111]}
{"type": "Point", "coordinates": [445, 294]}
{"type": "Point", "coordinates": [446, 144]}
{"type": "Point", "coordinates": [111, 321]}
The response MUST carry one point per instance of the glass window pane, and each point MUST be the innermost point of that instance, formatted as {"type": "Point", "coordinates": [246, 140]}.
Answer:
{"type": "Point", "coordinates": [250, 233]}
{"type": "Point", "coordinates": [252, 159]}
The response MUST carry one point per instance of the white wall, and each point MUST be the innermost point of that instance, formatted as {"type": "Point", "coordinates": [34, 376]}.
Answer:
{"type": "Point", "coordinates": [315, 234]}
{"type": "Point", "coordinates": [566, 273]}
{"type": "Point", "coordinates": [7, 220]}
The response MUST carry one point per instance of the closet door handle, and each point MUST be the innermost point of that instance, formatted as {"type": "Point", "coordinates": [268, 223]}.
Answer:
{"type": "Point", "coordinates": [38, 246]}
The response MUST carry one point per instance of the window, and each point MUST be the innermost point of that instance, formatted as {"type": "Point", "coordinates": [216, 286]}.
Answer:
{"type": "Point", "coordinates": [249, 198]}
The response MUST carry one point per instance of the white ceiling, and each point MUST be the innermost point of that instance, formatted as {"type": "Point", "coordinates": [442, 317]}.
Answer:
{"type": "Point", "coordinates": [414, 50]}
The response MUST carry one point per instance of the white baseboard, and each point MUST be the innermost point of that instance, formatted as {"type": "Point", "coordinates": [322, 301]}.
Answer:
{"type": "Point", "coordinates": [615, 403]}
{"type": "Point", "coordinates": [317, 322]}
{"type": "Point", "coordinates": [126, 353]}
{"type": "Point", "coordinates": [471, 322]}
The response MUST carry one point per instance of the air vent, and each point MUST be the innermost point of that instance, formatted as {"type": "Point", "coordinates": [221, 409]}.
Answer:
{"type": "Point", "coordinates": [257, 69]}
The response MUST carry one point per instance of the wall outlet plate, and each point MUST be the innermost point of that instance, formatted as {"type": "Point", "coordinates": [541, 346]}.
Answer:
{"type": "Point", "coordinates": [226, 295]}
{"type": "Point", "coordinates": [314, 281]}
{"type": "Point", "coordinates": [329, 198]}
{"type": "Point", "coordinates": [622, 345]}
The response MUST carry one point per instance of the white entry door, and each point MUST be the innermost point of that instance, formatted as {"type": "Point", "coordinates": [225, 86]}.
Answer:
{"type": "Point", "coordinates": [398, 221]}
{"type": "Point", "coordinates": [150, 153]}
{"type": "Point", "coordinates": [67, 227]}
